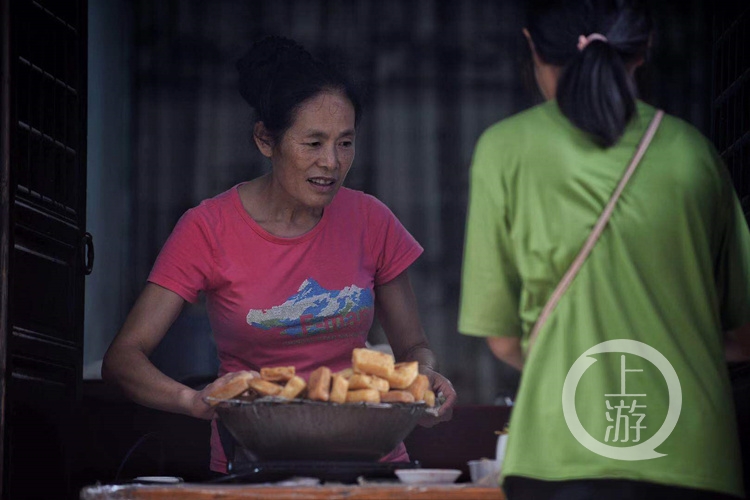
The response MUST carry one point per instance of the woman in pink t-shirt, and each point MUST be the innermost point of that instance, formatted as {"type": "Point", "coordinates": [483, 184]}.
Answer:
{"type": "Point", "coordinates": [294, 267]}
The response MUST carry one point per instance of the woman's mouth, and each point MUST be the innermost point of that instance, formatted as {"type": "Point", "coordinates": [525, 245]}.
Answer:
{"type": "Point", "coordinates": [324, 184]}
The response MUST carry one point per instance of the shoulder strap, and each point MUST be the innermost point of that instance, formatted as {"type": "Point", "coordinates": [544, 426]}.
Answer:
{"type": "Point", "coordinates": [596, 232]}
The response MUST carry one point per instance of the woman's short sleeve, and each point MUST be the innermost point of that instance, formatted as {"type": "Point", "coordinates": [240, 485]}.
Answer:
{"type": "Point", "coordinates": [490, 283]}
{"type": "Point", "coordinates": [185, 262]}
{"type": "Point", "coordinates": [394, 248]}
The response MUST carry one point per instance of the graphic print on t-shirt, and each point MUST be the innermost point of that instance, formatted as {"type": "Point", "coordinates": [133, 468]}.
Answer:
{"type": "Point", "coordinates": [313, 310]}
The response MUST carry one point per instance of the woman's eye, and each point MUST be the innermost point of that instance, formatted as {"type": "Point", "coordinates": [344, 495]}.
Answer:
{"type": "Point", "coordinates": [313, 144]}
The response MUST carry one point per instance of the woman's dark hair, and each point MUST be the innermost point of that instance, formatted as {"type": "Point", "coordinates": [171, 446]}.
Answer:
{"type": "Point", "coordinates": [277, 75]}
{"type": "Point", "coordinates": [595, 91]}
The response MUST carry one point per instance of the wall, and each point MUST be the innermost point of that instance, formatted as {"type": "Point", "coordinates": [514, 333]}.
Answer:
{"type": "Point", "coordinates": [109, 170]}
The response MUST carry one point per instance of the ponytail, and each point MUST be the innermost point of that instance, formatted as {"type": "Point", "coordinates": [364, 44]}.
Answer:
{"type": "Point", "coordinates": [596, 93]}
{"type": "Point", "coordinates": [593, 41]}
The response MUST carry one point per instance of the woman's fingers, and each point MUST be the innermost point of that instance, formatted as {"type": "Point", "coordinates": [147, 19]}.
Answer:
{"type": "Point", "coordinates": [201, 408]}
{"type": "Point", "coordinates": [445, 392]}
{"type": "Point", "coordinates": [446, 408]}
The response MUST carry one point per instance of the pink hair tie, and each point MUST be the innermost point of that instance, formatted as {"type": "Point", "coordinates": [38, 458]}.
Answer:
{"type": "Point", "coordinates": [583, 41]}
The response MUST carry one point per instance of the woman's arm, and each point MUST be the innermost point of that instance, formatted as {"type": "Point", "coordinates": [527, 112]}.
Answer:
{"type": "Point", "coordinates": [507, 350]}
{"type": "Point", "coordinates": [396, 307]}
{"type": "Point", "coordinates": [127, 363]}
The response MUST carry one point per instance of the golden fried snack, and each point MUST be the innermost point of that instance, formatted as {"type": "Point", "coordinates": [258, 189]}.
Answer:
{"type": "Point", "coordinates": [319, 384]}
{"type": "Point", "coordinates": [233, 388]}
{"type": "Point", "coordinates": [362, 381]}
{"type": "Point", "coordinates": [277, 374]}
{"type": "Point", "coordinates": [418, 387]}
{"type": "Point", "coordinates": [404, 374]}
{"type": "Point", "coordinates": [397, 397]}
{"type": "Point", "coordinates": [346, 373]}
{"type": "Point", "coordinates": [429, 398]}
{"type": "Point", "coordinates": [372, 362]}
{"type": "Point", "coordinates": [339, 387]}
{"type": "Point", "coordinates": [264, 387]}
{"type": "Point", "coordinates": [380, 384]}
{"type": "Point", "coordinates": [293, 388]}
{"type": "Point", "coordinates": [363, 395]}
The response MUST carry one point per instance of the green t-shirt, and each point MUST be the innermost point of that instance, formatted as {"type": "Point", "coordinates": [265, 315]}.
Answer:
{"type": "Point", "coordinates": [671, 271]}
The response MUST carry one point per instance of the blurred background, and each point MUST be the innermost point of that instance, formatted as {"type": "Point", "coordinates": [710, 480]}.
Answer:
{"type": "Point", "coordinates": [167, 129]}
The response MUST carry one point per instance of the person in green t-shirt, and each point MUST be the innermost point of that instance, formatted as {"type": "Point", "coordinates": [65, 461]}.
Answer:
{"type": "Point", "coordinates": [625, 393]}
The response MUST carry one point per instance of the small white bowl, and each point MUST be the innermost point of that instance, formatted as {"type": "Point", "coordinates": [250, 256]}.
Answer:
{"type": "Point", "coordinates": [158, 479]}
{"type": "Point", "coordinates": [428, 476]}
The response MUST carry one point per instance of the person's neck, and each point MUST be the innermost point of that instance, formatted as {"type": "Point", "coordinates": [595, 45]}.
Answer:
{"type": "Point", "coordinates": [277, 212]}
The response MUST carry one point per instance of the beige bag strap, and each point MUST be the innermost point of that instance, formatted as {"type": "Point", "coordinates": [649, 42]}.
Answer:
{"type": "Point", "coordinates": [596, 232]}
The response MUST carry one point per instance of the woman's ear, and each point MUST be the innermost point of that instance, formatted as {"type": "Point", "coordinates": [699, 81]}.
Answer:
{"type": "Point", "coordinates": [263, 139]}
{"type": "Point", "coordinates": [534, 55]}
{"type": "Point", "coordinates": [527, 35]}
{"type": "Point", "coordinates": [635, 64]}
{"type": "Point", "coordinates": [638, 62]}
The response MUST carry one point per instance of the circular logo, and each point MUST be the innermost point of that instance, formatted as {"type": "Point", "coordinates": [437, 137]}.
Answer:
{"type": "Point", "coordinates": [642, 451]}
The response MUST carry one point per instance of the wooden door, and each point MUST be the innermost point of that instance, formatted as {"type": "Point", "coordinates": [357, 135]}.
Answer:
{"type": "Point", "coordinates": [43, 241]}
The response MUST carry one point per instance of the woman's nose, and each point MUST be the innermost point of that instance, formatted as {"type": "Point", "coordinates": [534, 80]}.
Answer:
{"type": "Point", "coordinates": [329, 157]}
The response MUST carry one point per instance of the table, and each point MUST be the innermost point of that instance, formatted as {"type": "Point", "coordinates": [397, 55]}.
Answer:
{"type": "Point", "coordinates": [187, 491]}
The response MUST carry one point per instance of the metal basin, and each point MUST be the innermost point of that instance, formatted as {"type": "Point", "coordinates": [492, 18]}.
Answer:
{"type": "Point", "coordinates": [273, 429]}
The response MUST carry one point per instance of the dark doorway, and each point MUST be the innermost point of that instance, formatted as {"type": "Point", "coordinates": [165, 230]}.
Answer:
{"type": "Point", "coordinates": [44, 248]}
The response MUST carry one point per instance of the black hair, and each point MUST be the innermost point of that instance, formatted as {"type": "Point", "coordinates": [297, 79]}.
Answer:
{"type": "Point", "coordinates": [277, 75]}
{"type": "Point", "coordinates": [595, 91]}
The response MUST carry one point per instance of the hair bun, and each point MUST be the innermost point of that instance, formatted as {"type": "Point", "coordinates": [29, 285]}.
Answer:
{"type": "Point", "coordinates": [259, 65]}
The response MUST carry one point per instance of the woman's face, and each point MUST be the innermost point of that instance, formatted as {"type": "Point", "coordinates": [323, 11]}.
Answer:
{"type": "Point", "coordinates": [314, 155]}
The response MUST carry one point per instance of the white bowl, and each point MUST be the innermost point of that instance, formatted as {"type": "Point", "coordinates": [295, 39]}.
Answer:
{"type": "Point", "coordinates": [158, 479]}
{"type": "Point", "coordinates": [428, 476]}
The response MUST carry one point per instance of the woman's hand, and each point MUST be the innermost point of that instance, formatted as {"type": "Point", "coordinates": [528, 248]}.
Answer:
{"type": "Point", "coordinates": [196, 400]}
{"type": "Point", "coordinates": [396, 307]}
{"type": "Point", "coordinates": [444, 392]}
{"type": "Point", "coordinates": [127, 364]}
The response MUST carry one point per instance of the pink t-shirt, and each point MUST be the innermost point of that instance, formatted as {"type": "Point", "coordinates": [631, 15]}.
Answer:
{"type": "Point", "coordinates": [305, 301]}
